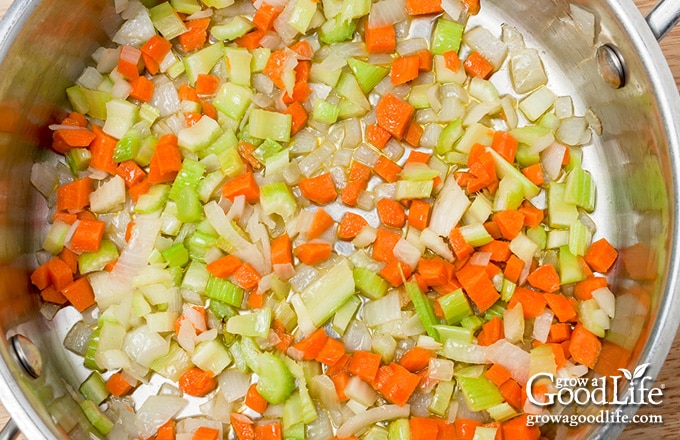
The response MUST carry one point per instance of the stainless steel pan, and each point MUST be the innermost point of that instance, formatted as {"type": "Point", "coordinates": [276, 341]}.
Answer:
{"type": "Point", "coordinates": [45, 44]}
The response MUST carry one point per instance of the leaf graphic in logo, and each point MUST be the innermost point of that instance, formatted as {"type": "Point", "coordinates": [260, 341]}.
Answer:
{"type": "Point", "coordinates": [626, 373]}
{"type": "Point", "coordinates": [640, 371]}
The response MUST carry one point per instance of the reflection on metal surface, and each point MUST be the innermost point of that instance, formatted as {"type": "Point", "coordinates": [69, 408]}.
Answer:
{"type": "Point", "coordinates": [611, 66]}
{"type": "Point", "coordinates": [28, 355]}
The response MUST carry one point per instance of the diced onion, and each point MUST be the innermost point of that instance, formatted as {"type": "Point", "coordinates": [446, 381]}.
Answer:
{"type": "Point", "coordinates": [510, 356]}
{"type": "Point", "coordinates": [373, 415]}
{"type": "Point", "coordinates": [386, 12]}
{"type": "Point", "coordinates": [542, 325]}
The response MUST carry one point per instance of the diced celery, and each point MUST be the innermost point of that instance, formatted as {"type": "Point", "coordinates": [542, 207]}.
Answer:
{"type": "Point", "coordinates": [224, 291]}
{"type": "Point", "coordinates": [196, 277]}
{"type": "Point", "coordinates": [328, 293]}
{"type": "Point", "coordinates": [265, 124]}
{"type": "Point", "coordinates": [121, 115]}
{"type": "Point", "coordinates": [367, 75]}
{"type": "Point", "coordinates": [538, 235]}
{"type": "Point", "coordinates": [203, 61]}
{"type": "Point", "coordinates": [345, 314]}
{"type": "Point", "coordinates": [301, 16]}
{"type": "Point", "coordinates": [418, 97]}
{"type": "Point", "coordinates": [176, 69]}
{"type": "Point", "coordinates": [424, 308]}
{"type": "Point", "coordinates": [502, 412]}
{"type": "Point", "coordinates": [442, 398]}
{"type": "Point", "coordinates": [226, 149]}
{"type": "Point", "coordinates": [337, 30]}
{"type": "Point", "coordinates": [189, 207]}
{"type": "Point", "coordinates": [579, 238]}
{"type": "Point", "coordinates": [505, 168]}
{"type": "Point", "coordinates": [94, 388]}
{"type": "Point", "coordinates": [255, 324]}
{"type": "Point", "coordinates": [537, 103]}
{"type": "Point", "coordinates": [211, 356]}
{"type": "Point", "coordinates": [542, 360]}
{"type": "Point", "coordinates": [412, 189]}
{"type": "Point", "coordinates": [175, 363]}
{"type": "Point", "coordinates": [449, 136]}
{"type": "Point", "coordinates": [56, 237]}
{"type": "Point", "coordinates": [399, 429]}
{"type": "Point", "coordinates": [239, 65]}
{"type": "Point", "coordinates": [260, 58]}
{"type": "Point", "coordinates": [96, 417]}
{"type": "Point", "coordinates": [485, 433]}
{"type": "Point", "coordinates": [276, 198]}
{"type": "Point", "coordinates": [200, 135]}
{"type": "Point", "coordinates": [455, 306]}
{"type": "Point", "coordinates": [474, 134]}
{"type": "Point", "coordinates": [557, 238]}
{"type": "Point", "coordinates": [276, 164]}
{"type": "Point", "coordinates": [476, 234]}
{"type": "Point", "coordinates": [166, 20]}
{"type": "Point", "coordinates": [560, 213]}
{"type": "Point", "coordinates": [78, 159]}
{"type": "Point", "coordinates": [523, 247]}
{"type": "Point", "coordinates": [447, 36]}
{"type": "Point", "coordinates": [526, 157]}
{"type": "Point", "coordinates": [322, 73]}
{"type": "Point", "coordinates": [96, 102]}
{"type": "Point", "coordinates": [77, 99]}
{"type": "Point", "coordinates": [235, 28]}
{"type": "Point", "coordinates": [153, 200]}
{"type": "Point", "coordinates": [176, 255]}
{"type": "Point", "coordinates": [94, 261]}
{"type": "Point", "coordinates": [245, 136]}
{"type": "Point", "coordinates": [535, 136]}
{"type": "Point", "coordinates": [479, 211]}
{"type": "Point", "coordinates": [463, 335]}
{"type": "Point", "coordinates": [276, 382]}
{"type": "Point", "coordinates": [210, 185]}
{"type": "Point", "coordinates": [199, 243]}
{"type": "Point", "coordinates": [369, 283]}
{"type": "Point", "coordinates": [146, 150]}
{"type": "Point", "coordinates": [483, 90]}
{"type": "Point", "coordinates": [570, 268]}
{"type": "Point", "coordinates": [186, 6]}
{"type": "Point", "coordinates": [588, 311]}
{"type": "Point", "coordinates": [472, 322]}
{"type": "Point", "coordinates": [325, 112]}
{"type": "Point", "coordinates": [188, 177]}
{"type": "Point", "coordinates": [128, 146]}
{"type": "Point", "coordinates": [348, 109]}
{"type": "Point", "coordinates": [549, 121]}
{"type": "Point", "coordinates": [580, 189]}
{"type": "Point", "coordinates": [479, 393]}
{"type": "Point", "coordinates": [494, 311]}
{"type": "Point", "coordinates": [355, 9]}
{"type": "Point", "coordinates": [507, 290]}
{"type": "Point", "coordinates": [376, 432]}
{"type": "Point", "coordinates": [218, 4]}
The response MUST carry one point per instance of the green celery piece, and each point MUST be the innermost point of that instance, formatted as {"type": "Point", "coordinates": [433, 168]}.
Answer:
{"type": "Point", "coordinates": [276, 198]}
{"type": "Point", "coordinates": [414, 189]}
{"type": "Point", "coordinates": [245, 136]}
{"type": "Point", "coordinates": [505, 168]}
{"type": "Point", "coordinates": [509, 195]}
{"type": "Point", "coordinates": [96, 417]}
{"type": "Point", "coordinates": [538, 235]}
{"type": "Point", "coordinates": [95, 261]}
{"type": "Point", "coordinates": [188, 177]}
{"type": "Point", "coordinates": [233, 100]}
{"type": "Point", "coordinates": [560, 213]}
{"type": "Point", "coordinates": [507, 290]}
{"type": "Point", "coordinates": [442, 398]}
{"type": "Point", "coordinates": [424, 308]}
{"type": "Point", "coordinates": [418, 96]}
{"type": "Point", "coordinates": [495, 311]}
{"type": "Point", "coordinates": [211, 356]}
{"type": "Point", "coordinates": [224, 291]}
{"type": "Point", "coordinates": [176, 255]}
{"type": "Point", "coordinates": [347, 109]}
{"type": "Point", "coordinates": [210, 185]}
{"type": "Point", "coordinates": [149, 113]}
{"type": "Point", "coordinates": [579, 238]}
{"type": "Point", "coordinates": [198, 244]}
{"type": "Point", "coordinates": [292, 412]}
{"type": "Point", "coordinates": [399, 429]}
{"type": "Point", "coordinates": [235, 28]}
{"type": "Point", "coordinates": [226, 149]}
{"type": "Point", "coordinates": [146, 150]}
{"type": "Point", "coordinates": [325, 112]}
{"type": "Point", "coordinates": [447, 36]}
{"type": "Point", "coordinates": [260, 58]}
{"type": "Point", "coordinates": [239, 65]}
{"type": "Point", "coordinates": [267, 149]}
{"type": "Point", "coordinates": [128, 146]}
{"type": "Point", "coordinates": [570, 268]}
{"type": "Point", "coordinates": [186, 6]}
{"type": "Point", "coordinates": [96, 102]}
{"type": "Point", "coordinates": [345, 314]}
{"type": "Point", "coordinates": [355, 9]}
{"type": "Point", "coordinates": [580, 189]}
{"type": "Point", "coordinates": [476, 133]}
{"type": "Point", "coordinates": [200, 135]}
{"type": "Point", "coordinates": [476, 235]}
{"type": "Point", "coordinates": [78, 159]}
{"type": "Point", "coordinates": [449, 136]}
{"type": "Point", "coordinates": [88, 360]}
{"type": "Point", "coordinates": [196, 277]}
{"type": "Point", "coordinates": [154, 199]}
{"type": "Point", "coordinates": [77, 98]}
{"type": "Point", "coordinates": [218, 4]}
{"type": "Point", "coordinates": [121, 115]}
{"type": "Point", "coordinates": [277, 163]}
{"type": "Point", "coordinates": [472, 322]}
{"type": "Point", "coordinates": [56, 237]}
{"type": "Point", "coordinates": [328, 293]}
{"type": "Point", "coordinates": [479, 392]}
{"type": "Point", "coordinates": [369, 283]}
{"type": "Point", "coordinates": [172, 365]}
{"type": "Point", "coordinates": [236, 352]}
{"type": "Point", "coordinates": [166, 20]}
{"type": "Point", "coordinates": [348, 87]}
{"type": "Point", "coordinates": [265, 124]}
{"type": "Point", "coordinates": [460, 334]}
{"type": "Point", "coordinates": [222, 310]}
{"type": "Point", "coordinates": [254, 325]}
{"type": "Point", "coordinates": [94, 388]}
{"type": "Point", "coordinates": [336, 30]}
{"type": "Point", "coordinates": [302, 14]}
{"type": "Point", "coordinates": [276, 383]}
{"type": "Point", "coordinates": [532, 135]}
{"type": "Point", "coordinates": [525, 157]}
{"type": "Point", "coordinates": [203, 61]}
{"type": "Point", "coordinates": [189, 207]}
{"type": "Point", "coordinates": [455, 306]}
{"type": "Point", "coordinates": [367, 75]}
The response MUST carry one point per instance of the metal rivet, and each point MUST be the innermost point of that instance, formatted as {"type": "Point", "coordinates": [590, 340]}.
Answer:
{"type": "Point", "coordinates": [28, 355]}
{"type": "Point", "coordinates": [611, 66]}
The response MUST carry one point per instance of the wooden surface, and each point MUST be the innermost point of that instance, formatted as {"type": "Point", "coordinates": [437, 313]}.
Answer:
{"type": "Point", "coordinates": [669, 374]}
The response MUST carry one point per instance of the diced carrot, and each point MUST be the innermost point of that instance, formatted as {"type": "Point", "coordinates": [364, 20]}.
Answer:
{"type": "Point", "coordinates": [492, 331]}
{"type": "Point", "coordinates": [285, 340]}
{"type": "Point", "coordinates": [118, 385]}
{"type": "Point", "coordinates": [311, 346]}
{"type": "Point", "coordinates": [405, 69]}
{"type": "Point", "coordinates": [611, 358]}
{"type": "Point", "coordinates": [458, 244]}
{"type": "Point", "coordinates": [452, 61]}
{"type": "Point", "coordinates": [434, 271]}
{"type": "Point", "coordinates": [66, 139]}
{"type": "Point", "coordinates": [274, 67]}
{"type": "Point", "coordinates": [365, 365]}
{"type": "Point", "coordinates": [319, 189]}
{"type": "Point", "coordinates": [169, 156]}
{"type": "Point", "coordinates": [351, 192]}
{"type": "Point", "coordinates": [225, 266]}
{"type": "Point", "coordinates": [393, 114]}
{"type": "Point", "coordinates": [583, 289]}
{"type": "Point", "coordinates": [313, 253]}
{"type": "Point", "coordinates": [64, 217]}
{"type": "Point", "coordinates": [478, 286]}
{"type": "Point", "coordinates": [206, 433]}
{"type": "Point", "coordinates": [399, 384]}
{"type": "Point", "coordinates": [465, 428]}
{"type": "Point", "coordinates": [423, 7]}
{"type": "Point", "coordinates": [130, 172]}
{"type": "Point", "coordinates": [166, 431]}
{"type": "Point", "coordinates": [243, 184]}
{"type": "Point", "coordinates": [245, 150]}
{"type": "Point", "coordinates": [416, 359]}
{"type": "Point", "coordinates": [154, 51]}
{"type": "Point", "coordinates": [187, 93]}
{"type": "Point", "coordinates": [383, 247]}
{"type": "Point", "coordinates": [391, 213]}
{"type": "Point", "coordinates": [158, 163]}
{"type": "Point", "coordinates": [472, 6]}
{"type": "Point", "coordinates": [567, 157]}
{"type": "Point", "coordinates": [376, 135]}
{"type": "Point", "coordinates": [534, 173]}
{"type": "Point", "coordinates": [196, 382]}
{"type": "Point", "coordinates": [282, 250]}
{"type": "Point", "coordinates": [511, 392]}
{"type": "Point", "coordinates": [419, 214]}
{"type": "Point", "coordinates": [79, 293]}
{"type": "Point", "coordinates": [395, 272]}
{"type": "Point", "coordinates": [128, 62]}
{"type": "Point", "coordinates": [255, 401]}
{"type": "Point", "coordinates": [532, 215]}
{"type": "Point", "coordinates": [268, 431]}
{"type": "Point", "coordinates": [510, 223]}
{"type": "Point", "coordinates": [505, 145]}
{"type": "Point", "coordinates": [601, 255]}
{"type": "Point", "coordinates": [584, 346]}
{"type": "Point", "coordinates": [499, 250]}
{"type": "Point", "coordinates": [303, 49]}
{"type": "Point", "coordinates": [331, 352]}
{"type": "Point", "coordinates": [76, 119]}
{"type": "Point", "coordinates": [532, 302]}
{"type": "Point", "coordinates": [561, 306]}
{"type": "Point", "coordinates": [255, 300]}
{"type": "Point", "coordinates": [208, 109]}
{"type": "Point", "coordinates": [425, 58]}
{"type": "Point", "coordinates": [418, 156]}
{"type": "Point", "coordinates": [142, 89]}
{"type": "Point", "coordinates": [74, 196]}
{"type": "Point", "coordinates": [299, 115]}
{"type": "Point", "coordinates": [321, 222]}
{"type": "Point", "coordinates": [264, 17]}
{"type": "Point", "coordinates": [243, 426]}
{"type": "Point", "coordinates": [413, 134]}
{"type": "Point", "coordinates": [207, 84]}
{"type": "Point", "coordinates": [513, 268]}
{"type": "Point", "coordinates": [477, 65]}
{"type": "Point", "coordinates": [359, 171]}
{"type": "Point", "coordinates": [139, 189]}
{"type": "Point", "coordinates": [251, 40]}
{"type": "Point", "coordinates": [246, 276]}
{"type": "Point", "coordinates": [350, 225]}
{"type": "Point", "coordinates": [423, 428]}
{"type": "Point", "coordinates": [545, 278]}
{"type": "Point", "coordinates": [88, 236]}
{"type": "Point", "coordinates": [560, 332]}
{"type": "Point", "coordinates": [52, 295]}
{"type": "Point", "coordinates": [497, 374]}
{"type": "Point", "coordinates": [340, 381]}
{"type": "Point", "coordinates": [192, 118]}
{"type": "Point", "coordinates": [196, 34]}
{"type": "Point", "coordinates": [380, 39]}
{"type": "Point", "coordinates": [386, 169]}
{"type": "Point", "coordinates": [518, 427]}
